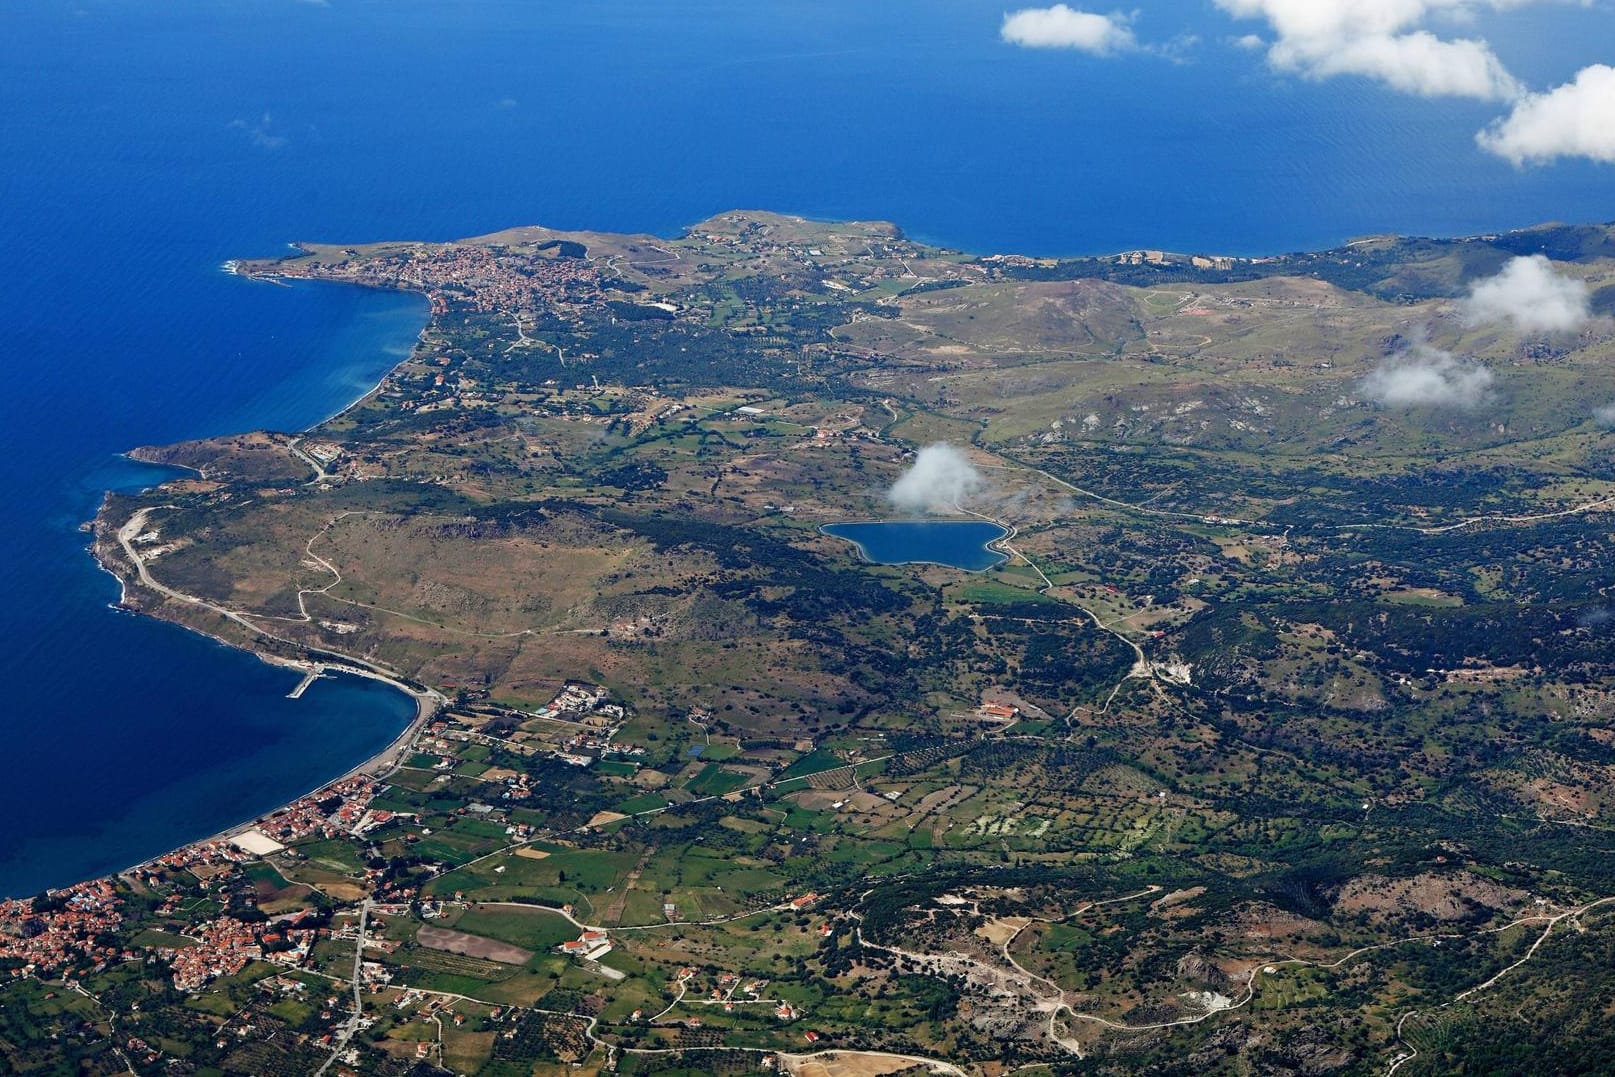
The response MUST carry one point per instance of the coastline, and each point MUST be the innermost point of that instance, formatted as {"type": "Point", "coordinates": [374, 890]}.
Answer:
{"type": "Point", "coordinates": [428, 701]}
{"type": "Point", "coordinates": [420, 339]}
{"type": "Point", "coordinates": [382, 763]}
{"type": "Point", "coordinates": [234, 268]}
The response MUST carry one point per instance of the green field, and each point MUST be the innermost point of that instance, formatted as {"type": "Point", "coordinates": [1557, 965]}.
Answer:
{"type": "Point", "coordinates": [531, 929]}
{"type": "Point", "coordinates": [714, 780]}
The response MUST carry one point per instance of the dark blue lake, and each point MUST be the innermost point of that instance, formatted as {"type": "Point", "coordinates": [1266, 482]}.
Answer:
{"type": "Point", "coordinates": [145, 144]}
{"type": "Point", "coordinates": [956, 543]}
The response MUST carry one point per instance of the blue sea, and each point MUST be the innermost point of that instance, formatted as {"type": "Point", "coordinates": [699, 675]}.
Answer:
{"type": "Point", "coordinates": [143, 144]}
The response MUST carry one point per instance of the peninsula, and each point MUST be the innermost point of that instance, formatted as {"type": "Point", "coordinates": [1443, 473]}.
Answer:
{"type": "Point", "coordinates": [1281, 741]}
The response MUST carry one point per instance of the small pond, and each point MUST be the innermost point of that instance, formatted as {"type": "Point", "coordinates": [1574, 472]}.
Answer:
{"type": "Point", "coordinates": [957, 543]}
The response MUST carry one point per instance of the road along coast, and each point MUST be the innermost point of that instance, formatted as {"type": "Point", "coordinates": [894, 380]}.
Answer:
{"type": "Point", "coordinates": [115, 550]}
{"type": "Point", "coordinates": [131, 567]}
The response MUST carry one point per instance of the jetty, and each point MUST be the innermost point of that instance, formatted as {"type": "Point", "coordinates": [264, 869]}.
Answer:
{"type": "Point", "coordinates": [312, 674]}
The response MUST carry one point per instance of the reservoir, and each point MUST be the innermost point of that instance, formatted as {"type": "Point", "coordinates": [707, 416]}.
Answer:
{"type": "Point", "coordinates": [956, 543]}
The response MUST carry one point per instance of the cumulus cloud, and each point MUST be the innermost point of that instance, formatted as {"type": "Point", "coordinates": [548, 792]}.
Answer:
{"type": "Point", "coordinates": [1423, 376]}
{"type": "Point", "coordinates": [1529, 295]}
{"type": "Point", "coordinates": [1573, 120]}
{"type": "Point", "coordinates": [939, 479]}
{"type": "Point", "coordinates": [1417, 63]}
{"type": "Point", "coordinates": [1384, 40]}
{"type": "Point", "coordinates": [1062, 27]}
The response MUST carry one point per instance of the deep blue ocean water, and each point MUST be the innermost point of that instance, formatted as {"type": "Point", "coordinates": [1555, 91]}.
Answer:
{"type": "Point", "coordinates": [956, 543]}
{"type": "Point", "coordinates": [141, 145]}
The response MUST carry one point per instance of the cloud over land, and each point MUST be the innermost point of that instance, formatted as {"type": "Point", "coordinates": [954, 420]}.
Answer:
{"type": "Point", "coordinates": [1530, 295]}
{"type": "Point", "coordinates": [939, 479]}
{"type": "Point", "coordinates": [1423, 376]}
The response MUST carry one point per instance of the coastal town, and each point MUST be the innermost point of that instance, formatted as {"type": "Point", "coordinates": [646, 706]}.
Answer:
{"type": "Point", "coordinates": [482, 278]}
{"type": "Point", "coordinates": [243, 915]}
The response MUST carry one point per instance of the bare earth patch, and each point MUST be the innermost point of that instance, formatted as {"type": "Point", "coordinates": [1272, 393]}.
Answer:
{"type": "Point", "coordinates": [458, 942]}
{"type": "Point", "coordinates": [845, 1064]}
{"type": "Point", "coordinates": [1443, 895]}
{"type": "Point", "coordinates": [1003, 929]}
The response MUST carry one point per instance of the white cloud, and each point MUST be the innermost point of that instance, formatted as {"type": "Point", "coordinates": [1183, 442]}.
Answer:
{"type": "Point", "coordinates": [1605, 415]}
{"type": "Point", "coordinates": [1529, 295]}
{"type": "Point", "coordinates": [1384, 40]}
{"type": "Point", "coordinates": [1062, 27]}
{"type": "Point", "coordinates": [1424, 376]}
{"type": "Point", "coordinates": [939, 479]}
{"type": "Point", "coordinates": [1573, 120]}
{"type": "Point", "coordinates": [1250, 41]}
{"type": "Point", "coordinates": [1417, 63]}
{"type": "Point", "coordinates": [1345, 18]}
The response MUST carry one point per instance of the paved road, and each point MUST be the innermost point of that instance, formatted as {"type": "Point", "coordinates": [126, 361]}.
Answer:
{"type": "Point", "coordinates": [352, 1027]}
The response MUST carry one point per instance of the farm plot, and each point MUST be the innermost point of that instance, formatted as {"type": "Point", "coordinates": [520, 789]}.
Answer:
{"type": "Point", "coordinates": [458, 942]}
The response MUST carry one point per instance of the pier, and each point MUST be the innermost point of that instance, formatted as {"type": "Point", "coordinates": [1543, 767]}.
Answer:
{"type": "Point", "coordinates": [313, 674]}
